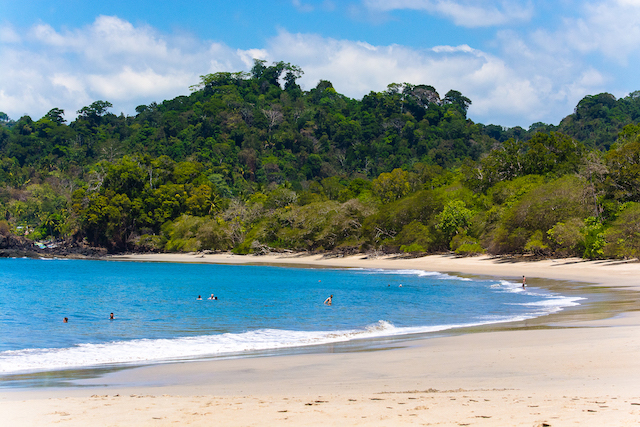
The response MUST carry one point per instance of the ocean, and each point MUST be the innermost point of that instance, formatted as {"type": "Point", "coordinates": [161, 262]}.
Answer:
{"type": "Point", "coordinates": [158, 318]}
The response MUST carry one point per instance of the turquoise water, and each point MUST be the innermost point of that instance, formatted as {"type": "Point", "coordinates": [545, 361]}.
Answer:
{"type": "Point", "coordinates": [158, 317]}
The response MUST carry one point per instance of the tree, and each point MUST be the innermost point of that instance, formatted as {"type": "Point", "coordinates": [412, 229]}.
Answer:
{"type": "Point", "coordinates": [455, 98]}
{"type": "Point", "coordinates": [55, 115]}
{"type": "Point", "coordinates": [391, 186]}
{"type": "Point", "coordinates": [454, 218]}
{"type": "Point", "coordinates": [623, 162]}
{"type": "Point", "coordinates": [274, 117]}
{"type": "Point", "coordinates": [258, 69]}
{"type": "Point", "coordinates": [96, 109]}
{"type": "Point", "coordinates": [623, 237]}
{"type": "Point", "coordinates": [93, 113]}
{"type": "Point", "coordinates": [554, 152]}
{"type": "Point", "coordinates": [220, 79]}
{"type": "Point", "coordinates": [293, 73]}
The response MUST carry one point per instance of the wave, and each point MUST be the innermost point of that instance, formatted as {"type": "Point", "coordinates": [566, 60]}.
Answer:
{"type": "Point", "coordinates": [419, 273]}
{"type": "Point", "coordinates": [555, 303]}
{"type": "Point", "coordinates": [146, 351]}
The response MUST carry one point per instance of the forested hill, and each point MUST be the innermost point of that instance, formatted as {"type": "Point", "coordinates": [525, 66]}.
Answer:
{"type": "Point", "coordinates": [250, 162]}
{"type": "Point", "coordinates": [596, 121]}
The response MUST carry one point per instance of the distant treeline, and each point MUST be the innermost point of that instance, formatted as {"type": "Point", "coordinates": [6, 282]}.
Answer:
{"type": "Point", "coordinates": [250, 162]}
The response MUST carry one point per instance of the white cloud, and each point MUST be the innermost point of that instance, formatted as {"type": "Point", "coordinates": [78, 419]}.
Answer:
{"type": "Point", "coordinates": [8, 34]}
{"type": "Point", "coordinates": [609, 27]}
{"type": "Point", "coordinates": [130, 84]}
{"type": "Point", "coordinates": [302, 7]}
{"type": "Point", "coordinates": [110, 60]}
{"type": "Point", "coordinates": [535, 77]}
{"type": "Point", "coordinates": [465, 13]}
{"type": "Point", "coordinates": [501, 92]}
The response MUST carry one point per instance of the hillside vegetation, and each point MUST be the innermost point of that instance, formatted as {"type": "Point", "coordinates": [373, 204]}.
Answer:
{"type": "Point", "coordinates": [250, 162]}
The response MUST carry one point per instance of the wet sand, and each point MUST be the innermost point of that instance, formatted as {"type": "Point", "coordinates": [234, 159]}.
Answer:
{"type": "Point", "coordinates": [571, 370]}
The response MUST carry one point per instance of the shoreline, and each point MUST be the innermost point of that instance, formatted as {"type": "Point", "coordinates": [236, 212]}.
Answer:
{"type": "Point", "coordinates": [511, 376]}
{"type": "Point", "coordinates": [573, 269]}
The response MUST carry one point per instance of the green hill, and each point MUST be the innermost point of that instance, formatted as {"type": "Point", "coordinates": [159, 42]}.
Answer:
{"type": "Point", "coordinates": [250, 162]}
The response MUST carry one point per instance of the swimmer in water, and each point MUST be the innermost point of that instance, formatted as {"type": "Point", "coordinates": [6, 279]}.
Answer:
{"type": "Point", "coordinates": [328, 300]}
{"type": "Point", "coordinates": [111, 317]}
{"type": "Point", "coordinates": [213, 297]}
{"type": "Point", "coordinates": [65, 320]}
{"type": "Point", "coordinates": [199, 297]}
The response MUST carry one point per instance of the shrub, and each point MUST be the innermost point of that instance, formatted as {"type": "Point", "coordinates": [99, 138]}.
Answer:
{"type": "Point", "coordinates": [567, 236]}
{"type": "Point", "coordinates": [412, 235]}
{"type": "Point", "coordinates": [470, 249]}
{"type": "Point", "coordinates": [535, 244]}
{"type": "Point", "coordinates": [412, 248]}
{"type": "Point", "coordinates": [623, 237]}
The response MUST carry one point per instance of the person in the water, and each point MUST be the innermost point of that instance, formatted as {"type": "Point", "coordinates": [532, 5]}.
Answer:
{"type": "Point", "coordinates": [111, 317]}
{"type": "Point", "coordinates": [199, 297]}
{"type": "Point", "coordinates": [328, 300]}
{"type": "Point", "coordinates": [65, 320]}
{"type": "Point", "coordinates": [213, 297]}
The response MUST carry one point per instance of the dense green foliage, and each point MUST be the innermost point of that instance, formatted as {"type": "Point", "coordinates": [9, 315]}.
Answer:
{"type": "Point", "coordinates": [249, 162]}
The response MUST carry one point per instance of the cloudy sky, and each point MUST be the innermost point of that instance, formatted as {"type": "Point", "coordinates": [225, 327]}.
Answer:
{"type": "Point", "coordinates": [519, 61]}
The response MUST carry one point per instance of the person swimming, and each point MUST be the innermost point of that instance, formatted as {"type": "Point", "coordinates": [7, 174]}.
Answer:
{"type": "Point", "coordinates": [212, 297]}
{"type": "Point", "coordinates": [199, 297]}
{"type": "Point", "coordinates": [111, 317]}
{"type": "Point", "coordinates": [65, 320]}
{"type": "Point", "coordinates": [329, 300]}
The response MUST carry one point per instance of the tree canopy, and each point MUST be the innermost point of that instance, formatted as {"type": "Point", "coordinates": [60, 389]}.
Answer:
{"type": "Point", "coordinates": [251, 162]}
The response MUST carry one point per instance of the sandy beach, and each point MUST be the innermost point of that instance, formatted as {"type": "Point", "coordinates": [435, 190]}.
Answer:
{"type": "Point", "coordinates": [581, 369]}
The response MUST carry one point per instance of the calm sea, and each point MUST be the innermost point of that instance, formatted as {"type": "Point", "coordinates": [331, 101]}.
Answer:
{"type": "Point", "coordinates": [159, 318]}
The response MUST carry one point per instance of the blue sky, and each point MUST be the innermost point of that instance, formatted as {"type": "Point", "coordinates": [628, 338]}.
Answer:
{"type": "Point", "coordinates": [519, 61]}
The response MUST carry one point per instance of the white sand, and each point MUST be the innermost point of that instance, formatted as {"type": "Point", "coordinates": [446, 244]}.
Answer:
{"type": "Point", "coordinates": [579, 373]}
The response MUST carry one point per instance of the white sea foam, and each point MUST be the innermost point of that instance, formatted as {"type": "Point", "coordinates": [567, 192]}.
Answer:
{"type": "Point", "coordinates": [507, 286]}
{"type": "Point", "coordinates": [144, 351]}
{"type": "Point", "coordinates": [554, 302]}
{"type": "Point", "coordinates": [419, 273]}
{"type": "Point", "coordinates": [154, 350]}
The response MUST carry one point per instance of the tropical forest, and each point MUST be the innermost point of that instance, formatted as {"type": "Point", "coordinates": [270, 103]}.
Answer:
{"type": "Point", "coordinates": [252, 163]}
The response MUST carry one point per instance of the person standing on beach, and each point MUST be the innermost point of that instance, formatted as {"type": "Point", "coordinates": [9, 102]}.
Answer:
{"type": "Point", "coordinates": [328, 300]}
